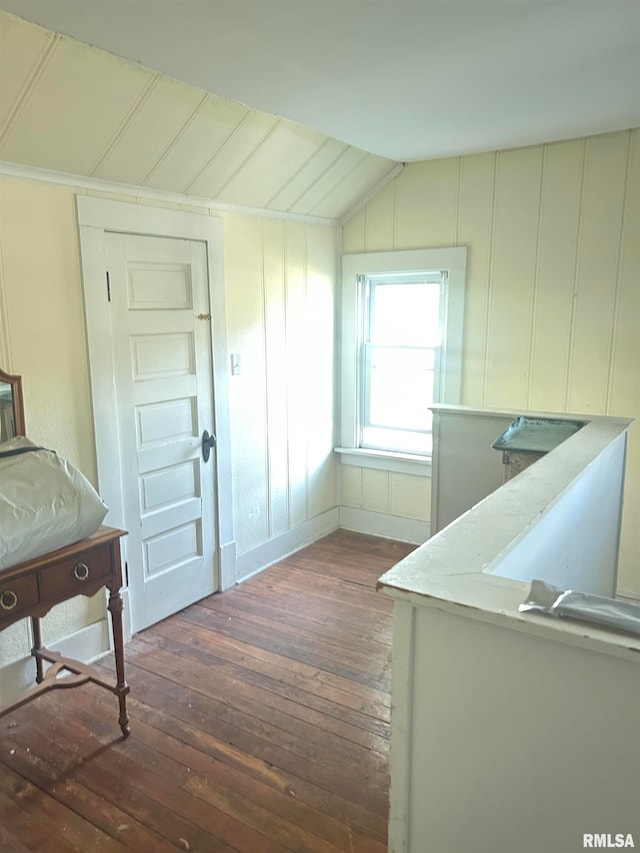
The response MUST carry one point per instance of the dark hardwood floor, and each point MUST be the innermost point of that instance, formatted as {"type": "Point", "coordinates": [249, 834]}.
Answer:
{"type": "Point", "coordinates": [259, 722]}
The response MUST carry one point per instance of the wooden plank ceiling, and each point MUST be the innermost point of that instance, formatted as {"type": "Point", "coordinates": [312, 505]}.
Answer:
{"type": "Point", "coordinates": [70, 107]}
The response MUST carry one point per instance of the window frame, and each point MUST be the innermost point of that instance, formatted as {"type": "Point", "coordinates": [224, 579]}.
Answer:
{"type": "Point", "coordinates": [355, 268]}
{"type": "Point", "coordinates": [369, 283]}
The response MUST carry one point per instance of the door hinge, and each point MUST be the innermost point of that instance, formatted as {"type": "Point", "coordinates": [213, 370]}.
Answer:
{"type": "Point", "coordinates": [108, 287]}
{"type": "Point", "coordinates": [126, 573]}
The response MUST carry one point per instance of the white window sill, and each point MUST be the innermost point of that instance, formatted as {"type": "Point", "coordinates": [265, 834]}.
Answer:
{"type": "Point", "coordinates": [386, 460]}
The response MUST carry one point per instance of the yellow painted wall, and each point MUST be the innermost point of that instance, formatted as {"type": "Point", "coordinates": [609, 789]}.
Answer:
{"type": "Point", "coordinates": [553, 278]}
{"type": "Point", "coordinates": [280, 282]}
{"type": "Point", "coordinates": [387, 492]}
{"type": "Point", "coordinates": [43, 339]}
{"type": "Point", "coordinates": [280, 292]}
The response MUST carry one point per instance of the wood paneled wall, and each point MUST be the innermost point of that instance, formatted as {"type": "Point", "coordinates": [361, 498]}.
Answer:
{"type": "Point", "coordinates": [280, 283]}
{"type": "Point", "coordinates": [552, 316]}
{"type": "Point", "coordinates": [397, 494]}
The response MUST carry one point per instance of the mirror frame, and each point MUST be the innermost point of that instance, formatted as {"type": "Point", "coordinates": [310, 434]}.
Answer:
{"type": "Point", "coordinates": [18, 400]}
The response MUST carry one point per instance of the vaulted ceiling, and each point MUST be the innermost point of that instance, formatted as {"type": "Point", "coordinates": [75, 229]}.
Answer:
{"type": "Point", "coordinates": [404, 79]}
{"type": "Point", "coordinates": [70, 107]}
{"type": "Point", "coordinates": [304, 106]}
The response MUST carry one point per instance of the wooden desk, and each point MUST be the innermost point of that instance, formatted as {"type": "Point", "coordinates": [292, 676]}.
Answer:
{"type": "Point", "coordinates": [31, 589]}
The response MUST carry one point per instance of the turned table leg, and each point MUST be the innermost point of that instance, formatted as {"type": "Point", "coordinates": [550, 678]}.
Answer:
{"type": "Point", "coordinates": [122, 688]}
{"type": "Point", "coordinates": [37, 645]}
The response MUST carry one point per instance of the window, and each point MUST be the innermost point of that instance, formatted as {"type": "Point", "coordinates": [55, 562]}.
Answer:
{"type": "Point", "coordinates": [399, 359]}
{"type": "Point", "coordinates": [401, 347]}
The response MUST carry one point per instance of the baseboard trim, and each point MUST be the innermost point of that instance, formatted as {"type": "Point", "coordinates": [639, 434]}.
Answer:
{"type": "Point", "coordinates": [270, 552]}
{"type": "Point", "coordinates": [126, 618]}
{"type": "Point", "coordinates": [227, 565]}
{"type": "Point", "coordinates": [86, 645]}
{"type": "Point", "coordinates": [382, 524]}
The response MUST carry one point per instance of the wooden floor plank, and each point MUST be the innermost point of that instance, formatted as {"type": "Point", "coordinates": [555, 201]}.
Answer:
{"type": "Point", "coordinates": [144, 789]}
{"type": "Point", "coordinates": [362, 637]}
{"type": "Point", "coordinates": [339, 697]}
{"type": "Point", "coordinates": [258, 695]}
{"type": "Point", "coordinates": [38, 817]}
{"type": "Point", "coordinates": [260, 723]}
{"type": "Point", "coordinates": [326, 656]}
{"type": "Point", "coordinates": [326, 801]}
{"type": "Point", "coordinates": [229, 787]}
{"type": "Point", "coordinates": [269, 744]}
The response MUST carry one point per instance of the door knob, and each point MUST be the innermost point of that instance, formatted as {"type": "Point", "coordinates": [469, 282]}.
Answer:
{"type": "Point", "coordinates": [208, 441]}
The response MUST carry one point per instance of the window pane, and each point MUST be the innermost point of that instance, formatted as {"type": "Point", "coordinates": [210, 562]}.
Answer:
{"type": "Point", "coordinates": [401, 388]}
{"type": "Point", "coordinates": [406, 314]}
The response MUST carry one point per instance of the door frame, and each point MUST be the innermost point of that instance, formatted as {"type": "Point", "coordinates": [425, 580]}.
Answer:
{"type": "Point", "coordinates": [95, 217]}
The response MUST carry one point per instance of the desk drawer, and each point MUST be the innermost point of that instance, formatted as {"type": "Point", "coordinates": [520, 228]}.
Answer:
{"type": "Point", "coordinates": [17, 595]}
{"type": "Point", "coordinates": [71, 577]}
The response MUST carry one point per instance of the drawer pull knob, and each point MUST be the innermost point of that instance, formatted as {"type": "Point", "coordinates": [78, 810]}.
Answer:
{"type": "Point", "coordinates": [8, 599]}
{"type": "Point", "coordinates": [81, 571]}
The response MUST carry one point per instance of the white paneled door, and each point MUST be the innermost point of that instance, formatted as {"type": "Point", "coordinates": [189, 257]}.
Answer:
{"type": "Point", "coordinates": [160, 323]}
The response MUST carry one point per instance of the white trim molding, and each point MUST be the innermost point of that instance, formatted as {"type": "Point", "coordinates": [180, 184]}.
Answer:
{"type": "Point", "coordinates": [49, 176]}
{"type": "Point", "coordinates": [452, 260]}
{"type": "Point", "coordinates": [386, 526]}
{"type": "Point", "coordinates": [95, 217]}
{"type": "Point", "coordinates": [384, 460]}
{"type": "Point", "coordinates": [260, 558]}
